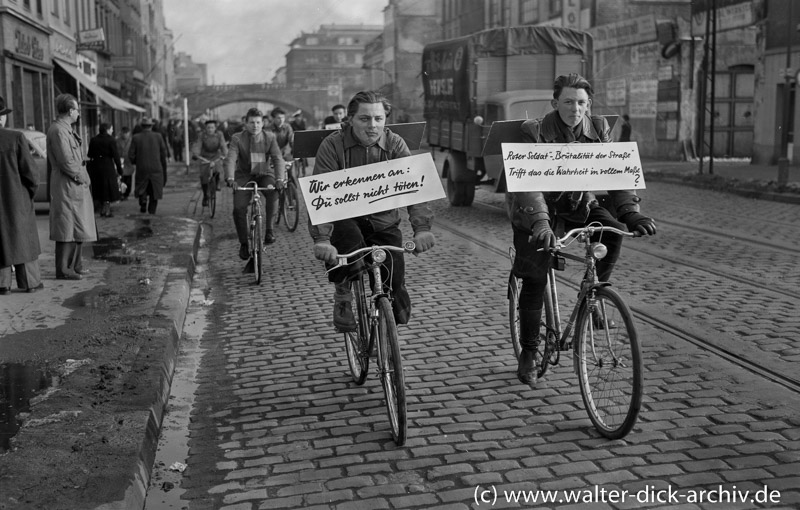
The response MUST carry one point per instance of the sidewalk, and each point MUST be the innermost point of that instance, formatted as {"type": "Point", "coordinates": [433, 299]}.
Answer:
{"type": "Point", "coordinates": [732, 176]}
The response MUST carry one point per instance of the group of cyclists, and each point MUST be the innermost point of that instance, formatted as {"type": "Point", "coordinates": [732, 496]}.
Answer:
{"type": "Point", "coordinates": [361, 138]}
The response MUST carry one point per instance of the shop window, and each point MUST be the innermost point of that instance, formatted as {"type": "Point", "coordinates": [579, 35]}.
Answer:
{"type": "Point", "coordinates": [529, 12]}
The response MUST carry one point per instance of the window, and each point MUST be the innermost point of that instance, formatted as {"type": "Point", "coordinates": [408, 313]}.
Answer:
{"type": "Point", "coordinates": [67, 14]}
{"type": "Point", "coordinates": [39, 10]}
{"type": "Point", "coordinates": [26, 4]}
{"type": "Point", "coordinates": [555, 8]}
{"type": "Point", "coordinates": [312, 41]}
{"type": "Point", "coordinates": [55, 10]}
{"type": "Point", "coordinates": [529, 12]}
{"type": "Point", "coordinates": [495, 13]}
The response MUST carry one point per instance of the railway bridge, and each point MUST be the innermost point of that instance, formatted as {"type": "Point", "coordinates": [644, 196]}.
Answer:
{"type": "Point", "coordinates": [204, 99]}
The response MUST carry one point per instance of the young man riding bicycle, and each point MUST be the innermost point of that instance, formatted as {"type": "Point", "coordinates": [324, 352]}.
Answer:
{"type": "Point", "coordinates": [210, 145]}
{"type": "Point", "coordinates": [249, 156]}
{"type": "Point", "coordinates": [363, 140]}
{"type": "Point", "coordinates": [531, 213]}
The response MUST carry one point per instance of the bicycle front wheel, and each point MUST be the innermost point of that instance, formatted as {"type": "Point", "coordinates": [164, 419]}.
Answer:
{"type": "Point", "coordinates": [357, 343]}
{"type": "Point", "coordinates": [212, 195]}
{"type": "Point", "coordinates": [391, 364]}
{"type": "Point", "coordinates": [257, 241]}
{"type": "Point", "coordinates": [609, 363]}
{"type": "Point", "coordinates": [290, 207]}
{"type": "Point", "coordinates": [514, 285]}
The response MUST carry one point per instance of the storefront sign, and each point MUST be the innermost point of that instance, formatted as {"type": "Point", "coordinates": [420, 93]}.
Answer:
{"type": "Point", "coordinates": [28, 45]}
{"type": "Point", "coordinates": [94, 39]}
{"type": "Point", "coordinates": [371, 188]}
{"type": "Point", "coordinates": [642, 109]}
{"type": "Point", "coordinates": [623, 33]}
{"type": "Point", "coordinates": [572, 167]}
{"type": "Point", "coordinates": [731, 16]}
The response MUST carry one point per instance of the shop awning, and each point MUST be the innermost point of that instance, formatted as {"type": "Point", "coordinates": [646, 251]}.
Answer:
{"type": "Point", "coordinates": [102, 94]}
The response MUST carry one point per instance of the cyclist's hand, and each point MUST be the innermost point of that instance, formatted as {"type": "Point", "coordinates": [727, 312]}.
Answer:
{"type": "Point", "coordinates": [637, 222]}
{"type": "Point", "coordinates": [280, 184]}
{"type": "Point", "coordinates": [229, 183]}
{"type": "Point", "coordinates": [424, 241]}
{"type": "Point", "coordinates": [542, 235]}
{"type": "Point", "coordinates": [326, 252]}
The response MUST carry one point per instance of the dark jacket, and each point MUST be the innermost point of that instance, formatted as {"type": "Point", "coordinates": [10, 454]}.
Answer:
{"type": "Point", "coordinates": [19, 238]}
{"type": "Point", "coordinates": [104, 167]}
{"type": "Point", "coordinates": [148, 152]}
{"type": "Point", "coordinates": [238, 165]}
{"type": "Point", "coordinates": [524, 208]}
{"type": "Point", "coordinates": [334, 153]}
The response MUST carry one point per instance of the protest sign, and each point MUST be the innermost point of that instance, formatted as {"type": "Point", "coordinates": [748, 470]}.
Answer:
{"type": "Point", "coordinates": [572, 166]}
{"type": "Point", "coordinates": [371, 188]}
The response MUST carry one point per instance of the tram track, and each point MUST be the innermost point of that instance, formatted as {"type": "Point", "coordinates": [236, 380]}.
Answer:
{"type": "Point", "coordinates": [699, 341]}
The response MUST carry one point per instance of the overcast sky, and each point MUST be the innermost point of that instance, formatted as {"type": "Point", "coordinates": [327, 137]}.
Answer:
{"type": "Point", "coordinates": [246, 41]}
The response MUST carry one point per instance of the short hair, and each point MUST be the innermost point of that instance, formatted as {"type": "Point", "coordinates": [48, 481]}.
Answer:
{"type": "Point", "coordinates": [104, 127]}
{"type": "Point", "coordinates": [211, 121]}
{"type": "Point", "coordinates": [126, 129]}
{"type": "Point", "coordinates": [64, 103]}
{"type": "Point", "coordinates": [338, 106]}
{"type": "Point", "coordinates": [253, 112]}
{"type": "Point", "coordinates": [368, 97]}
{"type": "Point", "coordinates": [573, 81]}
{"type": "Point", "coordinates": [277, 111]}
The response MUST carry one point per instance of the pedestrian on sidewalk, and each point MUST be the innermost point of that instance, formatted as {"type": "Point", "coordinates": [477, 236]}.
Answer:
{"type": "Point", "coordinates": [534, 214]}
{"type": "Point", "coordinates": [19, 237]}
{"type": "Point", "coordinates": [149, 153]}
{"type": "Point", "coordinates": [123, 145]}
{"type": "Point", "coordinates": [71, 205]}
{"type": "Point", "coordinates": [105, 168]}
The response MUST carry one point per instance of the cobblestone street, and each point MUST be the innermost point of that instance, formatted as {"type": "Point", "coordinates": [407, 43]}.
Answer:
{"type": "Point", "coordinates": [278, 423]}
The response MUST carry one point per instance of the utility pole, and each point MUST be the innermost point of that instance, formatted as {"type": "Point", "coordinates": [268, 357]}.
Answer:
{"type": "Point", "coordinates": [783, 160]}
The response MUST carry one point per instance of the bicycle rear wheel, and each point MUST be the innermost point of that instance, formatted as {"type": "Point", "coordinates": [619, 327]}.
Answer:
{"type": "Point", "coordinates": [391, 364]}
{"type": "Point", "coordinates": [290, 206]}
{"type": "Point", "coordinates": [357, 343]}
{"type": "Point", "coordinates": [609, 363]}
{"type": "Point", "coordinates": [257, 246]}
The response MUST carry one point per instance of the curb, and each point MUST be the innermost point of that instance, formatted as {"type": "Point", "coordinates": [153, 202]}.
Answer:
{"type": "Point", "coordinates": [744, 192]}
{"type": "Point", "coordinates": [169, 314]}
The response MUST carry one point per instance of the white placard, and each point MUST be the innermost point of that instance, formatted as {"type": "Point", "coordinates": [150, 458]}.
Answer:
{"type": "Point", "coordinates": [572, 166]}
{"type": "Point", "coordinates": [369, 189]}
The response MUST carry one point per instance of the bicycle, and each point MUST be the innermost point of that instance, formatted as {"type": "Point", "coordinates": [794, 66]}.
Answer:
{"type": "Point", "coordinates": [375, 321]}
{"type": "Point", "coordinates": [255, 222]}
{"type": "Point", "coordinates": [289, 201]}
{"type": "Point", "coordinates": [607, 355]}
{"type": "Point", "coordinates": [213, 182]}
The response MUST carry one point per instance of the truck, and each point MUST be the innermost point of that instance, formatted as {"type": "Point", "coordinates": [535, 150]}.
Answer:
{"type": "Point", "coordinates": [493, 75]}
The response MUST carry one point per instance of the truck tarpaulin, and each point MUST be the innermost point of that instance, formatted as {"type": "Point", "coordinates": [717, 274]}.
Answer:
{"type": "Point", "coordinates": [445, 78]}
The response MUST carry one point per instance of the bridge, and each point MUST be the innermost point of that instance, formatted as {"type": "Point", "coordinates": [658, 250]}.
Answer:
{"type": "Point", "coordinates": [312, 102]}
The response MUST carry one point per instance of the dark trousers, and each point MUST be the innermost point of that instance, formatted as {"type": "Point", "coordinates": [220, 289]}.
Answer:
{"type": "Point", "coordinates": [241, 201]}
{"type": "Point", "coordinates": [148, 195]}
{"type": "Point", "coordinates": [531, 265]}
{"type": "Point", "coordinates": [28, 275]}
{"type": "Point", "coordinates": [352, 234]}
{"type": "Point", "coordinates": [68, 256]}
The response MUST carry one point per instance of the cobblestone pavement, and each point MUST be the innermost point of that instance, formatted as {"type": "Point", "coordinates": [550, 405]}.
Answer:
{"type": "Point", "coordinates": [277, 422]}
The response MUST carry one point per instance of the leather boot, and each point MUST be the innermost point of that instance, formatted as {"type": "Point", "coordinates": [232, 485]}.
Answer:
{"type": "Point", "coordinates": [205, 194]}
{"type": "Point", "coordinates": [529, 324]}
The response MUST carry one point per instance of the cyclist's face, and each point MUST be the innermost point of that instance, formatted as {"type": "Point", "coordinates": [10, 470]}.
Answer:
{"type": "Point", "coordinates": [210, 128]}
{"type": "Point", "coordinates": [368, 123]}
{"type": "Point", "coordinates": [572, 105]}
{"type": "Point", "coordinates": [279, 119]}
{"type": "Point", "coordinates": [254, 124]}
{"type": "Point", "coordinates": [338, 114]}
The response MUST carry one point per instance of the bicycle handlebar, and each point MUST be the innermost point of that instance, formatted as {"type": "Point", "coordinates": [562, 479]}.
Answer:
{"type": "Point", "coordinates": [592, 229]}
{"type": "Point", "coordinates": [253, 188]}
{"type": "Point", "coordinates": [407, 247]}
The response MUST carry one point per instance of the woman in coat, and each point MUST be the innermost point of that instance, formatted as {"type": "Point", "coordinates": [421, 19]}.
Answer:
{"type": "Point", "coordinates": [71, 207]}
{"type": "Point", "coordinates": [105, 168]}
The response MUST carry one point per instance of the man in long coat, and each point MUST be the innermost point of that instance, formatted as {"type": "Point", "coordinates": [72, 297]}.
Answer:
{"type": "Point", "coordinates": [149, 153]}
{"type": "Point", "coordinates": [19, 238]}
{"type": "Point", "coordinates": [71, 204]}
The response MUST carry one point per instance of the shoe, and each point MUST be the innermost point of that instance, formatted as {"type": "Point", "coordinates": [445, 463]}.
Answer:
{"type": "Point", "coordinates": [83, 271]}
{"type": "Point", "coordinates": [249, 268]}
{"type": "Point", "coordinates": [142, 207]}
{"type": "Point", "coordinates": [4, 291]}
{"type": "Point", "coordinates": [74, 276]}
{"type": "Point", "coordinates": [526, 369]}
{"type": "Point", "coordinates": [34, 289]}
{"type": "Point", "coordinates": [343, 319]}
{"type": "Point", "coordinates": [244, 251]}
{"type": "Point", "coordinates": [269, 237]}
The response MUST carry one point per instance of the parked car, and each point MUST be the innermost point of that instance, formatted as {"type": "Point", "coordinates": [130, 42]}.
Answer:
{"type": "Point", "coordinates": [37, 143]}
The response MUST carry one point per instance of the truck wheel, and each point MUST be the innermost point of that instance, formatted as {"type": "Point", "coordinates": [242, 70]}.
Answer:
{"type": "Point", "coordinates": [460, 193]}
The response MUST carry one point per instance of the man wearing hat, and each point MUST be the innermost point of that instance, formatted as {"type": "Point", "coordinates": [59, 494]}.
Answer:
{"type": "Point", "coordinates": [71, 203]}
{"type": "Point", "coordinates": [19, 238]}
{"type": "Point", "coordinates": [210, 145]}
{"type": "Point", "coordinates": [149, 153]}
{"type": "Point", "coordinates": [298, 123]}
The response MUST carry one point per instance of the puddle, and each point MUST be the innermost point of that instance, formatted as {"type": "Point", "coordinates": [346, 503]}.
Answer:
{"type": "Point", "coordinates": [115, 249]}
{"type": "Point", "coordinates": [18, 384]}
